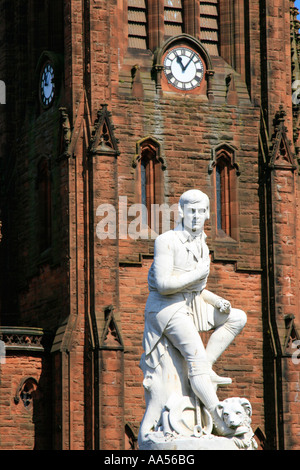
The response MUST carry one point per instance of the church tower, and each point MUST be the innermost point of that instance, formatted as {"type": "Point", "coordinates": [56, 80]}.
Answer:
{"type": "Point", "coordinates": [121, 104]}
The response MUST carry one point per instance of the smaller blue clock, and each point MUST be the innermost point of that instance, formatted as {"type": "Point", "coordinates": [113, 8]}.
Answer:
{"type": "Point", "coordinates": [47, 85]}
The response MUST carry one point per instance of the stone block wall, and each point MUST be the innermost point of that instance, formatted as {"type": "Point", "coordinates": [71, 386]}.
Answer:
{"type": "Point", "coordinates": [91, 293]}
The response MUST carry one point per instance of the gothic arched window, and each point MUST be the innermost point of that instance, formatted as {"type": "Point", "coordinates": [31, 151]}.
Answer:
{"type": "Point", "coordinates": [226, 206]}
{"type": "Point", "coordinates": [149, 177]}
{"type": "Point", "coordinates": [223, 190]}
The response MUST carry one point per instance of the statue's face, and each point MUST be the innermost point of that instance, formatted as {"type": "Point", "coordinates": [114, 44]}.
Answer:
{"type": "Point", "coordinates": [194, 217]}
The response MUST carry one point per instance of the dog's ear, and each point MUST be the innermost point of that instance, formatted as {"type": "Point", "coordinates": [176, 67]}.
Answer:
{"type": "Point", "coordinates": [246, 405]}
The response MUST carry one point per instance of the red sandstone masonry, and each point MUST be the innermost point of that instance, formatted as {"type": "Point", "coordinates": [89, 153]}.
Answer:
{"type": "Point", "coordinates": [96, 62]}
{"type": "Point", "coordinates": [19, 425]}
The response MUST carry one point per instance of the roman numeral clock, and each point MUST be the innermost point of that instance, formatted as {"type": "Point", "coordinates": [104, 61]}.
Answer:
{"type": "Point", "coordinates": [183, 68]}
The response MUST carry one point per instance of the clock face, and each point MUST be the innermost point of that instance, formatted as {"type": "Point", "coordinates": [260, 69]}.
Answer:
{"type": "Point", "coordinates": [47, 85]}
{"type": "Point", "coordinates": [183, 68]}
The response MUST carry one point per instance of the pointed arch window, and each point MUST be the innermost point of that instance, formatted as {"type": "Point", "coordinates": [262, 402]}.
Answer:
{"type": "Point", "coordinates": [149, 167]}
{"type": "Point", "coordinates": [223, 190]}
{"type": "Point", "coordinates": [226, 203]}
{"type": "Point", "coordinates": [149, 175]}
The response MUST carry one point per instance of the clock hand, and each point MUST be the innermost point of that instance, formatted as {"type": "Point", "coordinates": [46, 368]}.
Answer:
{"type": "Point", "coordinates": [179, 61]}
{"type": "Point", "coordinates": [186, 66]}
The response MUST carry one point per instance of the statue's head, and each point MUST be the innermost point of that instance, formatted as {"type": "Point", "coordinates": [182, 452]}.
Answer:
{"type": "Point", "coordinates": [193, 201]}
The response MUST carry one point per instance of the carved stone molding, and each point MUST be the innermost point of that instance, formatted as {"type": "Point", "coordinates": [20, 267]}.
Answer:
{"type": "Point", "coordinates": [111, 336]}
{"type": "Point", "coordinates": [224, 148]}
{"type": "Point", "coordinates": [103, 140]}
{"type": "Point", "coordinates": [26, 391]}
{"type": "Point", "coordinates": [25, 339]}
{"type": "Point", "coordinates": [280, 154]}
{"type": "Point", "coordinates": [154, 145]}
{"type": "Point", "coordinates": [66, 134]}
{"type": "Point", "coordinates": [292, 336]}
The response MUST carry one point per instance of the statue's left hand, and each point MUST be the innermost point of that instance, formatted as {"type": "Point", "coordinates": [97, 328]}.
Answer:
{"type": "Point", "coordinates": [223, 305]}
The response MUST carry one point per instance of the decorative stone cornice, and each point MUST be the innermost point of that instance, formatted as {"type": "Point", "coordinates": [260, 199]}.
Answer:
{"type": "Point", "coordinates": [25, 339]}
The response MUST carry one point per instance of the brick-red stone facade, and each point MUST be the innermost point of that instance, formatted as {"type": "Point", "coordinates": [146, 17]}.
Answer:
{"type": "Point", "coordinates": [72, 314]}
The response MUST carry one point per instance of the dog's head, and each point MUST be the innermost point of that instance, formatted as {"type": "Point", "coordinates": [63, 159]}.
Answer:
{"type": "Point", "coordinates": [236, 414]}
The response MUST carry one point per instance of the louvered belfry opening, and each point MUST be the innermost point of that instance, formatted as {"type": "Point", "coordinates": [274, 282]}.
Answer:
{"type": "Point", "coordinates": [175, 21]}
{"type": "Point", "coordinates": [173, 17]}
{"type": "Point", "coordinates": [137, 24]}
{"type": "Point", "coordinates": [209, 25]}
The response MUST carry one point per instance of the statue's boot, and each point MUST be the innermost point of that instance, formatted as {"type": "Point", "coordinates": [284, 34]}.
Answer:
{"type": "Point", "coordinates": [203, 387]}
{"type": "Point", "coordinates": [218, 342]}
{"type": "Point", "coordinates": [219, 380]}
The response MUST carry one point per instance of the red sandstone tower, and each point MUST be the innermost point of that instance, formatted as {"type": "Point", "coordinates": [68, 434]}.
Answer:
{"type": "Point", "coordinates": [96, 117]}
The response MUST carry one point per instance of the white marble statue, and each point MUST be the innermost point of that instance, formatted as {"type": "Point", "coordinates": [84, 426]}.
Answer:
{"type": "Point", "coordinates": [179, 381]}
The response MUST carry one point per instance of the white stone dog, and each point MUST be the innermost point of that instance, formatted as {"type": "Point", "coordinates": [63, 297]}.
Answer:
{"type": "Point", "coordinates": [236, 413]}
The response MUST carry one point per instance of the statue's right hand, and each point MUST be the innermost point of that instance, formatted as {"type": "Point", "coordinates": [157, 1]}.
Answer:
{"type": "Point", "coordinates": [203, 269]}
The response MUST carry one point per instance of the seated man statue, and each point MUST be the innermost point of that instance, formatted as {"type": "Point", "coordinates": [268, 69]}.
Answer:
{"type": "Point", "coordinates": [179, 306]}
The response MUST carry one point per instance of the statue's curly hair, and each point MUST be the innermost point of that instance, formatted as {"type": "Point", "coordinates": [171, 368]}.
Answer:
{"type": "Point", "coordinates": [192, 196]}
